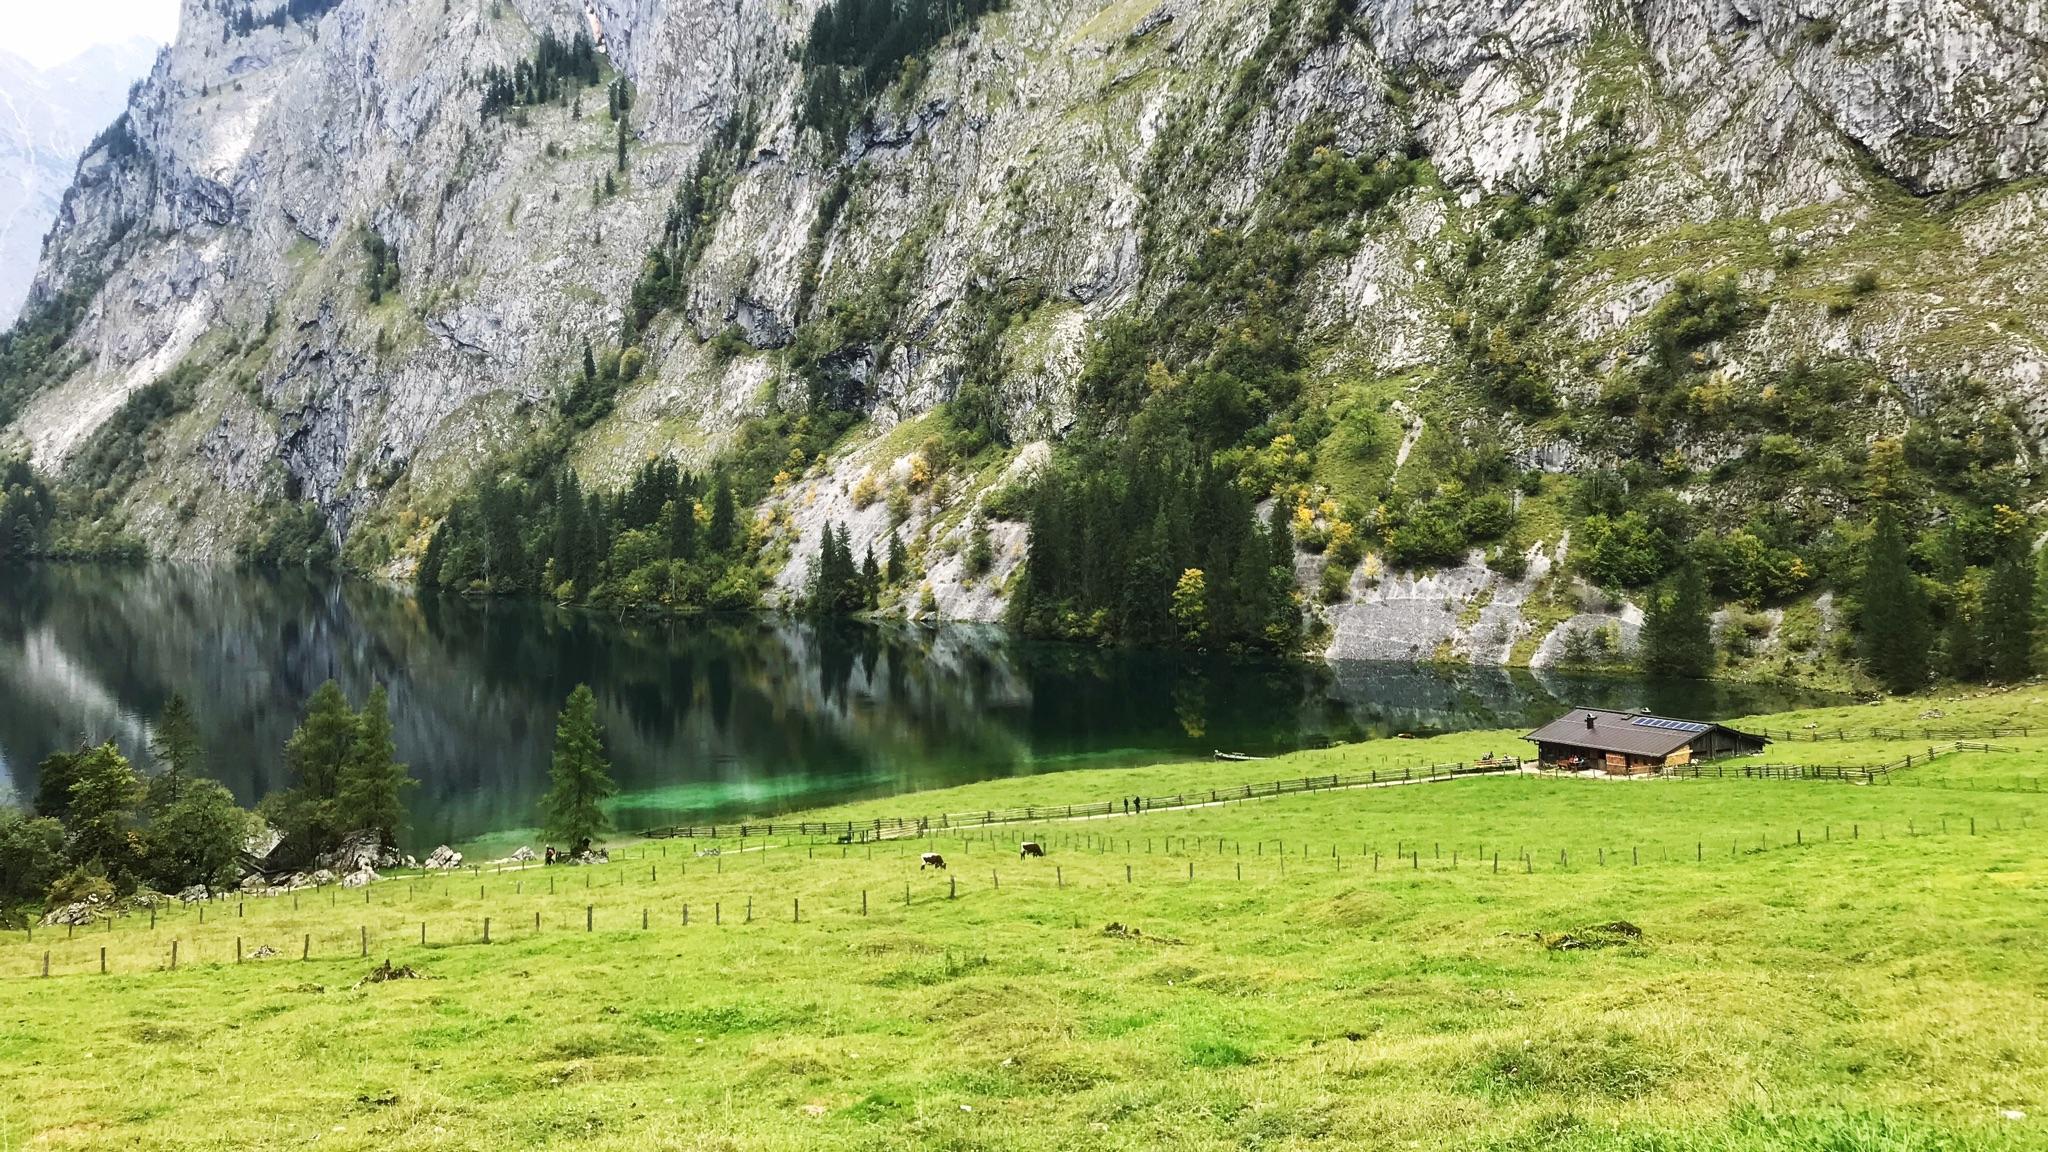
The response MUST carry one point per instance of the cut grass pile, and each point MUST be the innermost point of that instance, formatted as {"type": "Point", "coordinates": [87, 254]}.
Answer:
{"type": "Point", "coordinates": [1688, 965]}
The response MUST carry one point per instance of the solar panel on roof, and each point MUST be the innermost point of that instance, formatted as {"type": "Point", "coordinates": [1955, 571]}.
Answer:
{"type": "Point", "coordinates": [1670, 725]}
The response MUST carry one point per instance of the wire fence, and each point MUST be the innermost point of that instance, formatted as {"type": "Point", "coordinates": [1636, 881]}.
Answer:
{"type": "Point", "coordinates": [237, 933]}
{"type": "Point", "coordinates": [892, 827]}
{"type": "Point", "coordinates": [1865, 774]}
{"type": "Point", "coordinates": [1817, 735]}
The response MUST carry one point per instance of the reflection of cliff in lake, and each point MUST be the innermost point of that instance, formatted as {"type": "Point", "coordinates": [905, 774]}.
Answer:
{"type": "Point", "coordinates": [706, 717]}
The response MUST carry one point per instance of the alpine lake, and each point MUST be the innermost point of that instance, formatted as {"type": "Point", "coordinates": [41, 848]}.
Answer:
{"type": "Point", "coordinates": [707, 717]}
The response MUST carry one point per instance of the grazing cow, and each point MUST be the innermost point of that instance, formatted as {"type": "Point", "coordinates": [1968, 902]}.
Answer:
{"type": "Point", "coordinates": [1029, 848]}
{"type": "Point", "coordinates": [931, 860]}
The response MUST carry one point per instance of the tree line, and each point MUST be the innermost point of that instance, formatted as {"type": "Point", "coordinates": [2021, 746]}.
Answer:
{"type": "Point", "coordinates": [557, 66]}
{"type": "Point", "coordinates": [668, 537]}
{"type": "Point", "coordinates": [100, 829]}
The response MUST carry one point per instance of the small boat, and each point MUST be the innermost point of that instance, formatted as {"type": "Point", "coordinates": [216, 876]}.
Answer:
{"type": "Point", "coordinates": [1220, 755]}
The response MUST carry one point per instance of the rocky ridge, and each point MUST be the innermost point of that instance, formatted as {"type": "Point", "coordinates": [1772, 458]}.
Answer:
{"type": "Point", "coordinates": [1899, 139]}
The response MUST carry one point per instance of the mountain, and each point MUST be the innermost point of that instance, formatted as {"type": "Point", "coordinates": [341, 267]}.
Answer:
{"type": "Point", "coordinates": [1512, 309]}
{"type": "Point", "coordinates": [46, 120]}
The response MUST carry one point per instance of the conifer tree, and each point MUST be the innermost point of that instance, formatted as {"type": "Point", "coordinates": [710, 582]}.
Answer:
{"type": "Point", "coordinates": [2007, 615]}
{"type": "Point", "coordinates": [104, 796]}
{"type": "Point", "coordinates": [870, 580]}
{"type": "Point", "coordinates": [580, 777]}
{"type": "Point", "coordinates": [621, 149]}
{"type": "Point", "coordinates": [174, 744]}
{"type": "Point", "coordinates": [724, 517]}
{"type": "Point", "coordinates": [589, 365]}
{"type": "Point", "coordinates": [1892, 631]}
{"type": "Point", "coordinates": [893, 569]}
{"type": "Point", "coordinates": [372, 781]}
{"type": "Point", "coordinates": [1677, 633]}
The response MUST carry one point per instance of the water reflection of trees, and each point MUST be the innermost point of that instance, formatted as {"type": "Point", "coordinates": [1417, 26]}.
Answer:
{"type": "Point", "coordinates": [707, 716]}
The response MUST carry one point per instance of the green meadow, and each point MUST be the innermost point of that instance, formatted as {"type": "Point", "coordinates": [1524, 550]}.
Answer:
{"type": "Point", "coordinates": [1484, 963]}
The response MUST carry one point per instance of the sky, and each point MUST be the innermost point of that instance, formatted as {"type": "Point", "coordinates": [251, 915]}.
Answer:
{"type": "Point", "coordinates": [48, 32]}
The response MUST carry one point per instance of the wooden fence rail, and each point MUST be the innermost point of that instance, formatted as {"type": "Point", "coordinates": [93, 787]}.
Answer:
{"type": "Point", "coordinates": [891, 827]}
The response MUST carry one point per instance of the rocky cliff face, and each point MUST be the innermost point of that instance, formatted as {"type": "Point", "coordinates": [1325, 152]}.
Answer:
{"type": "Point", "coordinates": [1077, 147]}
{"type": "Point", "coordinates": [47, 117]}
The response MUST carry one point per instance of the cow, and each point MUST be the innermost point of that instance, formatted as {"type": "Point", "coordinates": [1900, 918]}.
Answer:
{"type": "Point", "coordinates": [1030, 848]}
{"type": "Point", "coordinates": [931, 860]}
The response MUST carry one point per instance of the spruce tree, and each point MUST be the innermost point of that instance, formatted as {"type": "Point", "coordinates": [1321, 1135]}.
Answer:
{"type": "Point", "coordinates": [893, 568]}
{"type": "Point", "coordinates": [622, 151]}
{"type": "Point", "coordinates": [2007, 621]}
{"type": "Point", "coordinates": [724, 517]}
{"type": "Point", "coordinates": [580, 778]}
{"type": "Point", "coordinates": [1677, 633]}
{"type": "Point", "coordinates": [319, 747]}
{"type": "Point", "coordinates": [589, 364]}
{"type": "Point", "coordinates": [372, 782]}
{"type": "Point", "coordinates": [870, 580]}
{"type": "Point", "coordinates": [174, 744]}
{"type": "Point", "coordinates": [1892, 624]}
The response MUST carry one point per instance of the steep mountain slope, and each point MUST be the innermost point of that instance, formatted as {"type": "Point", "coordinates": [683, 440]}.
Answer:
{"type": "Point", "coordinates": [1712, 247]}
{"type": "Point", "coordinates": [47, 117]}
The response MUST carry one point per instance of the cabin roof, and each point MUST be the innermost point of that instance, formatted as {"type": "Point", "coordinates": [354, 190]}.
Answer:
{"type": "Point", "coordinates": [1632, 733]}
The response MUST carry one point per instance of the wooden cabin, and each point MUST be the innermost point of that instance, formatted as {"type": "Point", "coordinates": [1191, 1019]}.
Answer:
{"type": "Point", "coordinates": [1634, 743]}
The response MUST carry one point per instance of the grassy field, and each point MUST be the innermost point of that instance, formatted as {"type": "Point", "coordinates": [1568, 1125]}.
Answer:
{"type": "Point", "coordinates": [1804, 966]}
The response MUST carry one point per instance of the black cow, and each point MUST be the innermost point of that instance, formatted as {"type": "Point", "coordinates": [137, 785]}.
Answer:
{"type": "Point", "coordinates": [931, 860]}
{"type": "Point", "coordinates": [1030, 848]}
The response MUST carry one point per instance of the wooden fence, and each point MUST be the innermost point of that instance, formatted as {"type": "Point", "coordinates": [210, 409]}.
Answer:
{"type": "Point", "coordinates": [1867, 773]}
{"type": "Point", "coordinates": [883, 828]}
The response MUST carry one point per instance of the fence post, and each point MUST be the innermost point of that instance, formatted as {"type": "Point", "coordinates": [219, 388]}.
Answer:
{"type": "Point", "coordinates": [46, 961]}
{"type": "Point", "coordinates": [364, 932]}
{"type": "Point", "coordinates": [238, 951]}
{"type": "Point", "coordinates": [487, 929]}
{"type": "Point", "coordinates": [796, 910]}
{"type": "Point", "coordinates": [174, 958]}
{"type": "Point", "coordinates": [306, 947]}
{"type": "Point", "coordinates": [103, 956]}
{"type": "Point", "coordinates": [952, 887]}
{"type": "Point", "coordinates": [589, 917]}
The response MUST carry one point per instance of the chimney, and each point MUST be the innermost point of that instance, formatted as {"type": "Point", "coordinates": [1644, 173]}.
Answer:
{"type": "Point", "coordinates": [1589, 719]}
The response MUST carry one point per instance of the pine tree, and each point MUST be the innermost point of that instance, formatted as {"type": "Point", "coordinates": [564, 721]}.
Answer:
{"type": "Point", "coordinates": [870, 580]}
{"type": "Point", "coordinates": [174, 744]}
{"type": "Point", "coordinates": [1677, 633]}
{"type": "Point", "coordinates": [580, 777]}
{"type": "Point", "coordinates": [372, 782]}
{"type": "Point", "coordinates": [589, 365]}
{"type": "Point", "coordinates": [622, 151]}
{"type": "Point", "coordinates": [1892, 632]}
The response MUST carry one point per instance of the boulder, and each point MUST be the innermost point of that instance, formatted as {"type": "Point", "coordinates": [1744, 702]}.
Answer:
{"type": "Point", "coordinates": [254, 882]}
{"type": "Point", "coordinates": [443, 858]}
{"type": "Point", "coordinates": [263, 843]}
{"type": "Point", "coordinates": [524, 854]}
{"type": "Point", "coordinates": [360, 850]}
{"type": "Point", "coordinates": [318, 878]}
{"type": "Point", "coordinates": [198, 892]}
{"type": "Point", "coordinates": [82, 912]}
{"type": "Point", "coordinates": [359, 877]}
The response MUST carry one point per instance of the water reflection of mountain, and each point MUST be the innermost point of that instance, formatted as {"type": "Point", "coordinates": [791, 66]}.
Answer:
{"type": "Point", "coordinates": [708, 716]}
